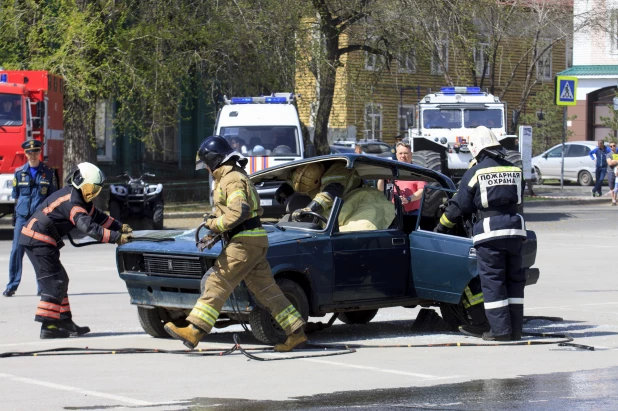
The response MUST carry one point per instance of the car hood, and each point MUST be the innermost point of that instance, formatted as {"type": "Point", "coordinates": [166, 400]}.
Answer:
{"type": "Point", "coordinates": [183, 241]}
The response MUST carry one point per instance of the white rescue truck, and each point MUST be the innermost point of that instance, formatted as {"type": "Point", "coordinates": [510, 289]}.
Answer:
{"type": "Point", "coordinates": [267, 131]}
{"type": "Point", "coordinates": [441, 125]}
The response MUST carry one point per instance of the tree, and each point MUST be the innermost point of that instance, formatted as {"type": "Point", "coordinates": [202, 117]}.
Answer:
{"type": "Point", "coordinates": [546, 119]}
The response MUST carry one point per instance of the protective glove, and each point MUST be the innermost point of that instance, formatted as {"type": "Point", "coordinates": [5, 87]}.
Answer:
{"type": "Point", "coordinates": [283, 192]}
{"type": "Point", "coordinates": [126, 229]}
{"type": "Point", "coordinates": [124, 239]}
{"type": "Point", "coordinates": [296, 215]}
{"type": "Point", "coordinates": [440, 229]}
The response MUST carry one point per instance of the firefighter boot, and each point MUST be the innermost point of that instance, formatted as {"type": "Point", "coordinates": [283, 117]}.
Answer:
{"type": "Point", "coordinates": [474, 330]}
{"type": "Point", "coordinates": [53, 331]}
{"type": "Point", "coordinates": [189, 335]}
{"type": "Point", "coordinates": [73, 328]}
{"type": "Point", "coordinates": [295, 339]}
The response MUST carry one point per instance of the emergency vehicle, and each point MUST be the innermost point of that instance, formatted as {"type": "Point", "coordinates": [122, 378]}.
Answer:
{"type": "Point", "coordinates": [267, 131]}
{"type": "Point", "coordinates": [31, 105]}
{"type": "Point", "coordinates": [441, 125]}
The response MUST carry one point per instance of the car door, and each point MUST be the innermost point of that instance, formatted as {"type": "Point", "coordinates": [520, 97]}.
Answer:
{"type": "Point", "coordinates": [577, 159]}
{"type": "Point", "coordinates": [442, 264]}
{"type": "Point", "coordinates": [551, 163]}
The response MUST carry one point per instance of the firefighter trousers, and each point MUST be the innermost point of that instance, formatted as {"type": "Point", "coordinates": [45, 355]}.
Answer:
{"type": "Point", "coordinates": [53, 282]}
{"type": "Point", "coordinates": [247, 262]}
{"type": "Point", "coordinates": [503, 281]}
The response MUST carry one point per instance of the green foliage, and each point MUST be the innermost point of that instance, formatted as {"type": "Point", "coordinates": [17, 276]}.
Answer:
{"type": "Point", "coordinates": [547, 132]}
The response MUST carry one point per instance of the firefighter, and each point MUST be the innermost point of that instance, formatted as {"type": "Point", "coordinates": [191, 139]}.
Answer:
{"type": "Point", "coordinates": [323, 185]}
{"type": "Point", "coordinates": [68, 208]}
{"type": "Point", "coordinates": [492, 190]}
{"type": "Point", "coordinates": [237, 216]}
{"type": "Point", "coordinates": [32, 183]}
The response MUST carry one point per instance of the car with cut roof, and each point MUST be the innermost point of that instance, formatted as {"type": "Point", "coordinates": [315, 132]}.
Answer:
{"type": "Point", "coordinates": [319, 267]}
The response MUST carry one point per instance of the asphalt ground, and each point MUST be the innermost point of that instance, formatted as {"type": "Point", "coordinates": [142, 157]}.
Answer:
{"type": "Point", "coordinates": [578, 283]}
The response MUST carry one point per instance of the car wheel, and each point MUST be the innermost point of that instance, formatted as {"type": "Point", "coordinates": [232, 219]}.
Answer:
{"type": "Point", "coordinates": [358, 317]}
{"type": "Point", "coordinates": [539, 178]}
{"type": "Point", "coordinates": [434, 199]}
{"type": "Point", "coordinates": [584, 178]}
{"type": "Point", "coordinates": [454, 314]}
{"type": "Point", "coordinates": [157, 216]}
{"type": "Point", "coordinates": [152, 320]}
{"type": "Point", "coordinates": [264, 327]}
{"type": "Point", "coordinates": [114, 210]}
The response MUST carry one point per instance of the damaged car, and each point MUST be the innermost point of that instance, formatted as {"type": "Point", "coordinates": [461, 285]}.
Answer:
{"type": "Point", "coordinates": [321, 268]}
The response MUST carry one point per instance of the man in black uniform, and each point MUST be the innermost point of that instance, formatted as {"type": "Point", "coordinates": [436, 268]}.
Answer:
{"type": "Point", "coordinates": [493, 189]}
{"type": "Point", "coordinates": [68, 208]}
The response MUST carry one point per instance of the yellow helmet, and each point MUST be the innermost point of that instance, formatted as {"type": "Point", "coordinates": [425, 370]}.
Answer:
{"type": "Point", "coordinates": [306, 178]}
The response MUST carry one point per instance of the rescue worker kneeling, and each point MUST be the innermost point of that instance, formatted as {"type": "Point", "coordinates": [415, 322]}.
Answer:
{"type": "Point", "coordinates": [68, 208]}
{"type": "Point", "coordinates": [492, 189]}
{"type": "Point", "coordinates": [237, 215]}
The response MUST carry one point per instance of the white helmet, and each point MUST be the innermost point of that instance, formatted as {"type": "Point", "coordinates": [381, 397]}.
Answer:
{"type": "Point", "coordinates": [481, 139]}
{"type": "Point", "coordinates": [89, 179]}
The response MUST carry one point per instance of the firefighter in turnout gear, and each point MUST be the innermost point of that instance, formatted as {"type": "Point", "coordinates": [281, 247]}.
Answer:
{"type": "Point", "coordinates": [492, 190]}
{"type": "Point", "coordinates": [68, 208]}
{"type": "Point", "coordinates": [237, 217]}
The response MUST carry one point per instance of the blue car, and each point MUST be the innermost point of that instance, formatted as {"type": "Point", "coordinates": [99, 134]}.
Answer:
{"type": "Point", "coordinates": [320, 269]}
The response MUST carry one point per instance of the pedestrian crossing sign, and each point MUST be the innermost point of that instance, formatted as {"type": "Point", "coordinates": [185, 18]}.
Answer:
{"type": "Point", "coordinates": [566, 87]}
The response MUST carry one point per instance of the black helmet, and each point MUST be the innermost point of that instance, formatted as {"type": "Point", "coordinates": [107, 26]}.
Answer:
{"type": "Point", "coordinates": [214, 151]}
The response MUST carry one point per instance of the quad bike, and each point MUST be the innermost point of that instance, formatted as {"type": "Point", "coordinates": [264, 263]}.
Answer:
{"type": "Point", "coordinates": [138, 201]}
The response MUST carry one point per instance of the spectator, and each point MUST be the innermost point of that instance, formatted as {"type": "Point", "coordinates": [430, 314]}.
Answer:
{"type": "Point", "coordinates": [612, 162]}
{"type": "Point", "coordinates": [410, 192]}
{"type": "Point", "coordinates": [238, 145]}
{"type": "Point", "coordinates": [358, 149]}
{"type": "Point", "coordinates": [600, 152]}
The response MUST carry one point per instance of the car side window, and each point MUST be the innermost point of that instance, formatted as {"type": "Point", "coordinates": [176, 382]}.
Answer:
{"type": "Point", "coordinates": [385, 148]}
{"type": "Point", "coordinates": [577, 150]}
{"type": "Point", "coordinates": [556, 152]}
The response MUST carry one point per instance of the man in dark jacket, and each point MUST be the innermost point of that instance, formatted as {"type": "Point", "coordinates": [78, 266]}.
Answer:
{"type": "Point", "coordinates": [32, 183]}
{"type": "Point", "coordinates": [68, 208]}
{"type": "Point", "coordinates": [493, 190]}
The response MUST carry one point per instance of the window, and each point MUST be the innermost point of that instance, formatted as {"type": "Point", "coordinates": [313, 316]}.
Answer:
{"type": "Point", "coordinates": [439, 58]}
{"type": "Point", "coordinates": [373, 121]}
{"type": "Point", "coordinates": [577, 150]}
{"type": "Point", "coordinates": [543, 65]}
{"type": "Point", "coordinates": [373, 61]}
{"type": "Point", "coordinates": [568, 53]}
{"type": "Point", "coordinates": [104, 130]}
{"type": "Point", "coordinates": [260, 141]}
{"type": "Point", "coordinates": [436, 118]}
{"type": "Point", "coordinates": [480, 57]}
{"type": "Point", "coordinates": [403, 117]}
{"type": "Point", "coordinates": [407, 61]}
{"type": "Point", "coordinates": [164, 148]}
{"type": "Point", "coordinates": [555, 153]}
{"type": "Point", "coordinates": [490, 118]}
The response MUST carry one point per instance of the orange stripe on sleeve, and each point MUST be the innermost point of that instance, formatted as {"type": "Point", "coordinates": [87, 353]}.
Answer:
{"type": "Point", "coordinates": [76, 210]}
{"type": "Point", "coordinates": [108, 222]}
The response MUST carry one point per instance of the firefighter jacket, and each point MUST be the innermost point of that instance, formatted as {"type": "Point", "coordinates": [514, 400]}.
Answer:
{"type": "Point", "coordinates": [491, 190]}
{"type": "Point", "coordinates": [337, 181]}
{"type": "Point", "coordinates": [63, 211]}
{"type": "Point", "coordinates": [30, 192]}
{"type": "Point", "coordinates": [237, 207]}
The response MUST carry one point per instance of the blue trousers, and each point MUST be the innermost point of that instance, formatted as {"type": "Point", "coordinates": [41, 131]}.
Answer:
{"type": "Point", "coordinates": [599, 176]}
{"type": "Point", "coordinates": [17, 256]}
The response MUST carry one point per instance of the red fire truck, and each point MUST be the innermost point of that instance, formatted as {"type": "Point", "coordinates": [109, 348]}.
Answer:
{"type": "Point", "coordinates": [31, 106]}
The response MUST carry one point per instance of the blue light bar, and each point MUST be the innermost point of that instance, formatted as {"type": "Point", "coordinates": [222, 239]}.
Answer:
{"type": "Point", "coordinates": [276, 100]}
{"type": "Point", "coordinates": [462, 90]}
{"type": "Point", "coordinates": [4, 78]}
{"type": "Point", "coordinates": [242, 100]}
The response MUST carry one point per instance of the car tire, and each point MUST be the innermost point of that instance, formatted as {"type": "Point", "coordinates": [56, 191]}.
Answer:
{"type": "Point", "coordinates": [584, 178]}
{"type": "Point", "coordinates": [114, 210]}
{"type": "Point", "coordinates": [454, 314]}
{"type": "Point", "coordinates": [434, 199]}
{"type": "Point", "coordinates": [357, 317]}
{"type": "Point", "coordinates": [152, 321]}
{"type": "Point", "coordinates": [264, 327]}
{"type": "Point", "coordinates": [157, 216]}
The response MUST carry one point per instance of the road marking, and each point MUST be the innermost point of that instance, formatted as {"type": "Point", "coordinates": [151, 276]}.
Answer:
{"type": "Point", "coordinates": [85, 340]}
{"type": "Point", "coordinates": [55, 386]}
{"type": "Point", "coordinates": [364, 367]}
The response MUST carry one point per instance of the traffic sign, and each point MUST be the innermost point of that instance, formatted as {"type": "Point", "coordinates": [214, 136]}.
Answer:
{"type": "Point", "coordinates": [566, 87]}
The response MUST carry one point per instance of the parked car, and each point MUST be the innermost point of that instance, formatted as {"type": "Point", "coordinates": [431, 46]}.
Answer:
{"type": "Point", "coordinates": [320, 269]}
{"type": "Point", "coordinates": [578, 166]}
{"type": "Point", "coordinates": [341, 150]}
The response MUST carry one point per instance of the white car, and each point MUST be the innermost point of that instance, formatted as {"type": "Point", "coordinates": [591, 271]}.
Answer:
{"type": "Point", "coordinates": [578, 166]}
